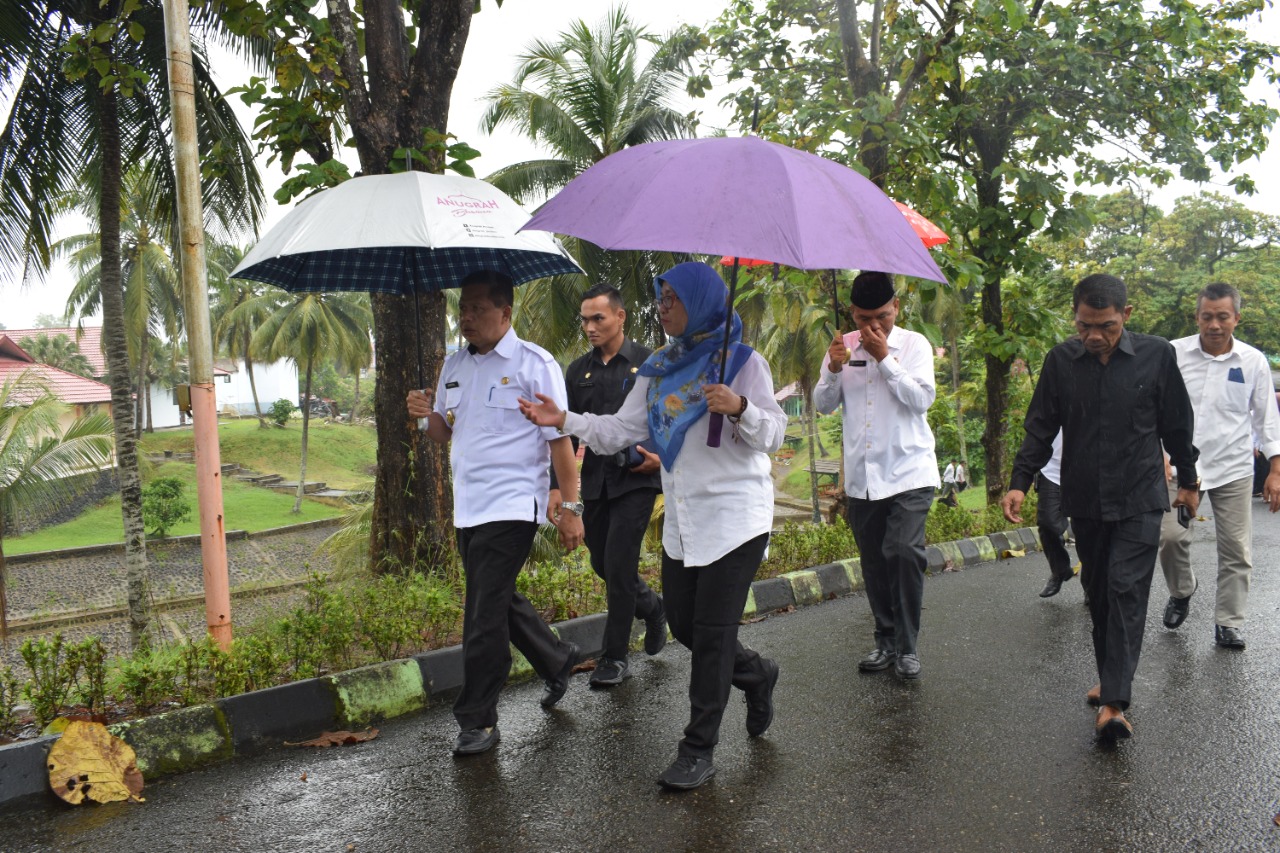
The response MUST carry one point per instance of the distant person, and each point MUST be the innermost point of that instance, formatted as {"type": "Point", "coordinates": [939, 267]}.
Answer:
{"type": "Point", "coordinates": [962, 477]}
{"type": "Point", "coordinates": [719, 500]}
{"type": "Point", "coordinates": [1051, 522]}
{"type": "Point", "coordinates": [618, 488]}
{"type": "Point", "coordinates": [881, 377]}
{"type": "Point", "coordinates": [500, 487]}
{"type": "Point", "coordinates": [949, 488]}
{"type": "Point", "coordinates": [1116, 396]}
{"type": "Point", "coordinates": [1231, 394]}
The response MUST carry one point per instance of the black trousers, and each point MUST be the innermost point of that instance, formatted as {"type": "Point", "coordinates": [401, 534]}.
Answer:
{"type": "Point", "coordinates": [1118, 559]}
{"type": "Point", "coordinates": [1052, 525]}
{"type": "Point", "coordinates": [614, 529]}
{"type": "Point", "coordinates": [704, 606]}
{"type": "Point", "coordinates": [496, 616]}
{"type": "Point", "coordinates": [890, 537]}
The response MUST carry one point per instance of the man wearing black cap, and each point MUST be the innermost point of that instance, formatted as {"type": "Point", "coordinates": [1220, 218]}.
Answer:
{"type": "Point", "coordinates": [883, 378]}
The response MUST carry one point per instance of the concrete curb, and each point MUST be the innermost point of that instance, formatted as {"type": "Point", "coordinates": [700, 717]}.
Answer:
{"type": "Point", "coordinates": [193, 737]}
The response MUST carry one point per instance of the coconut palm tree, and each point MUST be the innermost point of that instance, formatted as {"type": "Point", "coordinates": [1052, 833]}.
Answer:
{"type": "Point", "coordinates": [306, 327]}
{"type": "Point", "coordinates": [582, 96]}
{"type": "Point", "coordinates": [58, 351]}
{"type": "Point", "coordinates": [38, 458]}
{"type": "Point", "coordinates": [89, 82]}
{"type": "Point", "coordinates": [152, 282]}
{"type": "Point", "coordinates": [232, 330]}
{"type": "Point", "coordinates": [794, 340]}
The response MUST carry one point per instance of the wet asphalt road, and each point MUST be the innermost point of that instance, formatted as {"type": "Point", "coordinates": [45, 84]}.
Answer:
{"type": "Point", "coordinates": [991, 750]}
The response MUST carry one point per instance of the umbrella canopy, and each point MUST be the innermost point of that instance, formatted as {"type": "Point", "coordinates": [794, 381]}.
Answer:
{"type": "Point", "coordinates": [688, 195]}
{"type": "Point", "coordinates": [407, 233]}
{"type": "Point", "coordinates": [931, 235]}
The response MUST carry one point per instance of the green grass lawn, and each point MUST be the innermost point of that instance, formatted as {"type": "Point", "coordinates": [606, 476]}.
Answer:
{"type": "Point", "coordinates": [339, 455]}
{"type": "Point", "coordinates": [245, 507]}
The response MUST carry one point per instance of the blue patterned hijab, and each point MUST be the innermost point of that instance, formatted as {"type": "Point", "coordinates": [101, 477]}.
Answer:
{"type": "Point", "coordinates": [678, 370]}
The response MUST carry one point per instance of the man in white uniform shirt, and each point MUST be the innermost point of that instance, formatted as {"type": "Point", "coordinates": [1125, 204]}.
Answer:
{"type": "Point", "coordinates": [1230, 387]}
{"type": "Point", "coordinates": [882, 376]}
{"type": "Point", "coordinates": [500, 487]}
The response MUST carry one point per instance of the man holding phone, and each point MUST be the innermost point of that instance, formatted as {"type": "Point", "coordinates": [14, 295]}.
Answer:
{"type": "Point", "coordinates": [1117, 397]}
{"type": "Point", "coordinates": [618, 490]}
{"type": "Point", "coordinates": [1230, 387]}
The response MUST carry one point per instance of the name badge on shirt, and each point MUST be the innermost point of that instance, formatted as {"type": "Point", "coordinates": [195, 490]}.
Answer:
{"type": "Point", "coordinates": [858, 362]}
{"type": "Point", "coordinates": [451, 385]}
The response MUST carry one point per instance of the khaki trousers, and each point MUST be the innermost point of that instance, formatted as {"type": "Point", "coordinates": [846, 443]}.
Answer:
{"type": "Point", "coordinates": [1233, 523]}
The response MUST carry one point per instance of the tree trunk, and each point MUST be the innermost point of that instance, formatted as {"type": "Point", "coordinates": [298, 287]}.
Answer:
{"type": "Point", "coordinates": [253, 385]}
{"type": "Point", "coordinates": [116, 350]}
{"type": "Point", "coordinates": [955, 390]}
{"type": "Point", "coordinates": [306, 422]}
{"type": "Point", "coordinates": [405, 93]}
{"type": "Point", "coordinates": [355, 404]}
{"type": "Point", "coordinates": [813, 458]}
{"type": "Point", "coordinates": [4, 595]}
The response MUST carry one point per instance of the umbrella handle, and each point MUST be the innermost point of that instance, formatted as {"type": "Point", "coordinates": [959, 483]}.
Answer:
{"type": "Point", "coordinates": [717, 420]}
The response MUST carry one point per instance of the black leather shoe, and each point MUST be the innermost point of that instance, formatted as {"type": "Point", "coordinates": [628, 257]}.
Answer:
{"type": "Point", "coordinates": [908, 666]}
{"type": "Point", "coordinates": [877, 660]}
{"type": "Point", "coordinates": [475, 741]}
{"type": "Point", "coordinates": [760, 701]}
{"type": "Point", "coordinates": [609, 672]}
{"type": "Point", "coordinates": [655, 631]}
{"type": "Point", "coordinates": [1228, 638]}
{"type": "Point", "coordinates": [1175, 612]}
{"type": "Point", "coordinates": [1052, 587]}
{"type": "Point", "coordinates": [687, 773]}
{"type": "Point", "coordinates": [557, 686]}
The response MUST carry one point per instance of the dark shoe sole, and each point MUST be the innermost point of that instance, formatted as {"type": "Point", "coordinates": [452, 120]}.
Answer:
{"type": "Point", "coordinates": [914, 676]}
{"type": "Point", "coordinates": [1113, 731]}
{"type": "Point", "coordinates": [872, 667]}
{"type": "Point", "coordinates": [608, 682]}
{"type": "Point", "coordinates": [551, 697]}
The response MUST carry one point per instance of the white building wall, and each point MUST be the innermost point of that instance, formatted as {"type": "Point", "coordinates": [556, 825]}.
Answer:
{"type": "Point", "coordinates": [233, 391]}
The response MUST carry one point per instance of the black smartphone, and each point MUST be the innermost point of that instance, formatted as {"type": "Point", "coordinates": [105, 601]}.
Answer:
{"type": "Point", "coordinates": [1184, 515]}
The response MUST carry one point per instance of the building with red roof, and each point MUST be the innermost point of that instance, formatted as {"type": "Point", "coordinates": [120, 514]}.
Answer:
{"type": "Point", "coordinates": [82, 396]}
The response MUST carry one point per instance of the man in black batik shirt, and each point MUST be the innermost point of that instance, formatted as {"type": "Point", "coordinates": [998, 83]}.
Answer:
{"type": "Point", "coordinates": [1118, 397]}
{"type": "Point", "coordinates": [618, 489]}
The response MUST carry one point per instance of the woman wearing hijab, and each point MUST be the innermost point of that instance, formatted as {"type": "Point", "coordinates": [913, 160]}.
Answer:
{"type": "Point", "coordinates": [719, 500]}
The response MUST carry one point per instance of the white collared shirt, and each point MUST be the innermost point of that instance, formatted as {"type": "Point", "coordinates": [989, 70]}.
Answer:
{"type": "Point", "coordinates": [1052, 470]}
{"type": "Point", "coordinates": [1234, 404]}
{"type": "Point", "coordinates": [888, 446]}
{"type": "Point", "coordinates": [716, 498]}
{"type": "Point", "coordinates": [500, 460]}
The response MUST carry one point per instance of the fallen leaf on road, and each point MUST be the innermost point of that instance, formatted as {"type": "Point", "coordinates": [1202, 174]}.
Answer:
{"type": "Point", "coordinates": [89, 762]}
{"type": "Point", "coordinates": [304, 777]}
{"type": "Point", "coordinates": [337, 739]}
{"type": "Point", "coordinates": [1276, 819]}
{"type": "Point", "coordinates": [1012, 552]}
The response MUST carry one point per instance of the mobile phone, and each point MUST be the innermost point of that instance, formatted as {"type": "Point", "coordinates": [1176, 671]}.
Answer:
{"type": "Point", "coordinates": [1184, 515]}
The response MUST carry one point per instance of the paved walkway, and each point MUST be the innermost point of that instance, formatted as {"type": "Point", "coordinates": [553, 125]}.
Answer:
{"type": "Point", "coordinates": [991, 751]}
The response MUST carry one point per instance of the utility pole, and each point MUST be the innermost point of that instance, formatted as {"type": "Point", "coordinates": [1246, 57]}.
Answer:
{"type": "Point", "coordinates": [195, 290]}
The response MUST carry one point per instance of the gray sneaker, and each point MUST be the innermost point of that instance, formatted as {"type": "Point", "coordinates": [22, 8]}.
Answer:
{"type": "Point", "coordinates": [609, 672]}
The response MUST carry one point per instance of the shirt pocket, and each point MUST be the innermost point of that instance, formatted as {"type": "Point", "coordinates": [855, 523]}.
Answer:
{"type": "Point", "coordinates": [1143, 415]}
{"type": "Point", "coordinates": [502, 409]}
{"type": "Point", "coordinates": [1235, 396]}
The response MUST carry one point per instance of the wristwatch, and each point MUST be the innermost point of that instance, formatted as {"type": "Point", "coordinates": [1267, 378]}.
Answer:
{"type": "Point", "coordinates": [575, 507]}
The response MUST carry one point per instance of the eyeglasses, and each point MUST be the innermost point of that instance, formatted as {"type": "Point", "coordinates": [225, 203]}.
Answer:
{"type": "Point", "coordinates": [668, 301]}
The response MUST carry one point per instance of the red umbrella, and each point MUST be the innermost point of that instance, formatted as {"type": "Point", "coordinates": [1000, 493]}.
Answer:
{"type": "Point", "coordinates": [931, 235]}
{"type": "Point", "coordinates": [727, 261]}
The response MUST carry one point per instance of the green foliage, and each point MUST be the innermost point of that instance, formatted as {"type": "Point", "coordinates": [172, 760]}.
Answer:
{"type": "Point", "coordinates": [437, 151]}
{"type": "Point", "coordinates": [8, 699]}
{"type": "Point", "coordinates": [280, 411]}
{"type": "Point", "coordinates": [54, 670]}
{"type": "Point", "coordinates": [164, 504]}
{"type": "Point", "coordinates": [802, 546]}
{"type": "Point", "coordinates": [151, 675]}
{"type": "Point", "coordinates": [399, 615]}
{"type": "Point", "coordinates": [948, 524]}
{"type": "Point", "coordinates": [318, 635]}
{"type": "Point", "coordinates": [310, 178]}
{"type": "Point", "coordinates": [562, 590]}
{"type": "Point", "coordinates": [91, 657]}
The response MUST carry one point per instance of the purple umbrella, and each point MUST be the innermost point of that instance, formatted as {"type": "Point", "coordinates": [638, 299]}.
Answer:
{"type": "Point", "coordinates": [738, 196]}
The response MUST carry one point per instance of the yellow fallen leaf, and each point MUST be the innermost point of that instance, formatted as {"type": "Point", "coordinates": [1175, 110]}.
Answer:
{"type": "Point", "coordinates": [90, 762]}
{"type": "Point", "coordinates": [1012, 552]}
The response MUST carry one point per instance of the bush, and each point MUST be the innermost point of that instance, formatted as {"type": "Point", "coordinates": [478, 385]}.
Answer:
{"type": "Point", "coordinates": [948, 523]}
{"type": "Point", "coordinates": [402, 615]}
{"type": "Point", "coordinates": [8, 699]}
{"type": "Point", "coordinates": [53, 677]}
{"type": "Point", "coordinates": [163, 504]}
{"type": "Point", "coordinates": [563, 590]}
{"type": "Point", "coordinates": [802, 546]}
{"type": "Point", "coordinates": [280, 411]}
{"type": "Point", "coordinates": [148, 677]}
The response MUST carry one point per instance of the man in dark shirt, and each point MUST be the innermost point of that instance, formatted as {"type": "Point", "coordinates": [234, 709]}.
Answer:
{"type": "Point", "coordinates": [618, 491]}
{"type": "Point", "coordinates": [1117, 396]}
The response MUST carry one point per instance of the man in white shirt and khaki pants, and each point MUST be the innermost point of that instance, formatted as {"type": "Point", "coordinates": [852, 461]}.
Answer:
{"type": "Point", "coordinates": [1230, 387]}
{"type": "Point", "coordinates": [882, 376]}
